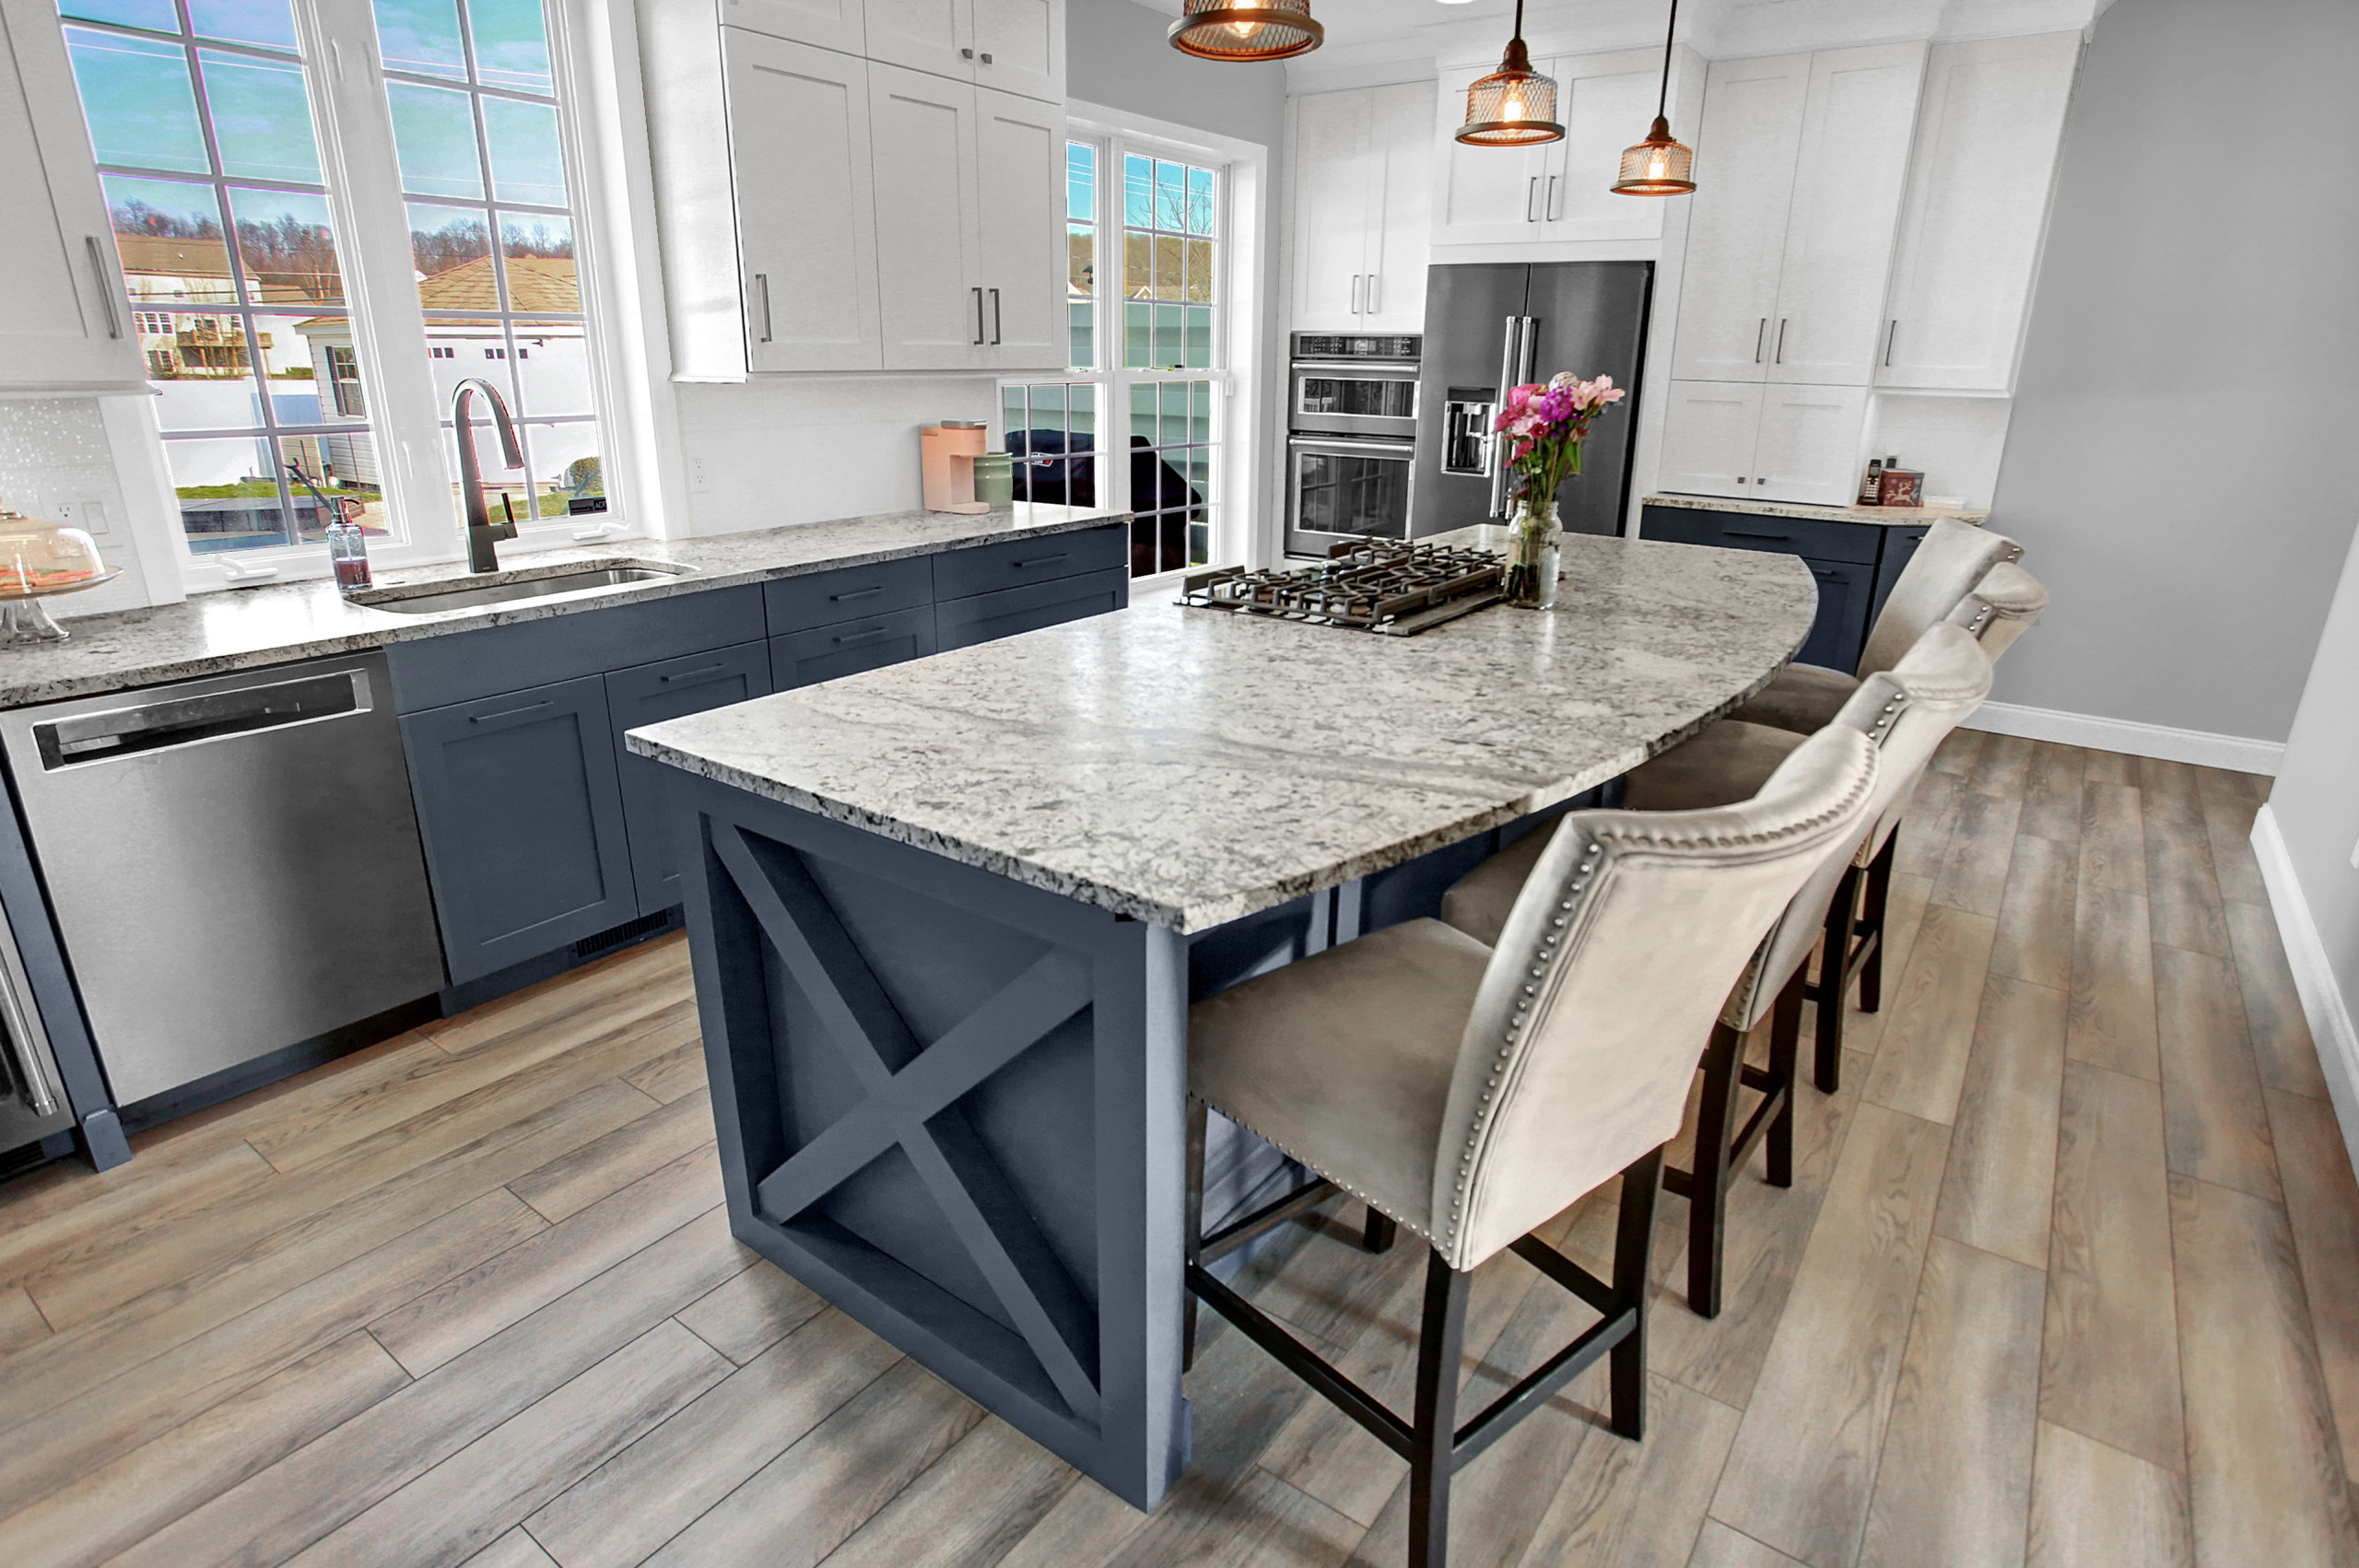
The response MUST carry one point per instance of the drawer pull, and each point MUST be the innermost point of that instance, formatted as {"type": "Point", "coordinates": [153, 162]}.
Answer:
{"type": "Point", "coordinates": [1741, 534]}
{"type": "Point", "coordinates": [509, 712]}
{"type": "Point", "coordinates": [692, 675]}
{"type": "Point", "coordinates": [856, 594]}
{"type": "Point", "coordinates": [1041, 561]}
{"type": "Point", "coordinates": [870, 634]}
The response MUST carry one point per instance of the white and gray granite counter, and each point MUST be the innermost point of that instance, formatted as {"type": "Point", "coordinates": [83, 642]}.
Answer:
{"type": "Point", "coordinates": [1881, 517]}
{"type": "Point", "coordinates": [242, 628]}
{"type": "Point", "coordinates": [1190, 767]}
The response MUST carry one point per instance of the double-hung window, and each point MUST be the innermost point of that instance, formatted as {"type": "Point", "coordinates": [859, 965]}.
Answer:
{"type": "Point", "coordinates": [1135, 422]}
{"type": "Point", "coordinates": [317, 249]}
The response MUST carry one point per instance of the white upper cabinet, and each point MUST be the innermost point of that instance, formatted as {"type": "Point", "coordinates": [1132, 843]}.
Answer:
{"type": "Point", "coordinates": [1020, 147]}
{"type": "Point", "coordinates": [927, 263]}
{"type": "Point", "coordinates": [1015, 46]}
{"type": "Point", "coordinates": [1710, 431]}
{"type": "Point", "coordinates": [1557, 191]}
{"type": "Point", "coordinates": [64, 324]}
{"type": "Point", "coordinates": [1847, 182]}
{"type": "Point", "coordinates": [830, 24]}
{"type": "Point", "coordinates": [1745, 148]}
{"type": "Point", "coordinates": [1809, 446]}
{"type": "Point", "coordinates": [1362, 169]}
{"type": "Point", "coordinates": [1979, 180]}
{"type": "Point", "coordinates": [934, 36]}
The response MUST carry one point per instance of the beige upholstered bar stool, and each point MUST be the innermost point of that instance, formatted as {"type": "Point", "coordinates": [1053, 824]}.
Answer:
{"type": "Point", "coordinates": [2002, 607]}
{"type": "Point", "coordinates": [1907, 712]}
{"type": "Point", "coordinates": [1951, 560]}
{"type": "Point", "coordinates": [1470, 1094]}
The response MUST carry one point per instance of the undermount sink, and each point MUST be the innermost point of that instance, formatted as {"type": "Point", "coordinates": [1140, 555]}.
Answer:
{"type": "Point", "coordinates": [509, 593]}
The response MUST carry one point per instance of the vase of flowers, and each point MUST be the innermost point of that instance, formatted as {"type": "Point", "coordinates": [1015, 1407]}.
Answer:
{"type": "Point", "coordinates": [1541, 429]}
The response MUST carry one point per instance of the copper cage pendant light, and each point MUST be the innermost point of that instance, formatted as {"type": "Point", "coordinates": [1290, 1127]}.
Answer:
{"type": "Point", "coordinates": [1514, 106]}
{"type": "Point", "coordinates": [1659, 166]}
{"type": "Point", "coordinates": [1247, 29]}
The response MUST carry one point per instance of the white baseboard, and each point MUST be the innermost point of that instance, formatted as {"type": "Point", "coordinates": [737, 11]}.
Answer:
{"type": "Point", "coordinates": [2197, 746]}
{"type": "Point", "coordinates": [2322, 1000]}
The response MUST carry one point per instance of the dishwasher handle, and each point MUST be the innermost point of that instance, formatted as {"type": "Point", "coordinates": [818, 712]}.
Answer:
{"type": "Point", "coordinates": [84, 739]}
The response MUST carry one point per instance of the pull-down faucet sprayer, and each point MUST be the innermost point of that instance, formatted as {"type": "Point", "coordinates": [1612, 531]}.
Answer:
{"type": "Point", "coordinates": [481, 531]}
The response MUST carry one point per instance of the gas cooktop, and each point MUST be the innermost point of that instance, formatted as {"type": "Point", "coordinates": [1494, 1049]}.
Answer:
{"type": "Point", "coordinates": [1390, 586]}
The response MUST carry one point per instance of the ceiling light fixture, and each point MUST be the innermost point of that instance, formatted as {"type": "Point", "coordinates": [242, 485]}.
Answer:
{"type": "Point", "coordinates": [1247, 29]}
{"type": "Point", "coordinates": [1659, 166]}
{"type": "Point", "coordinates": [1514, 106]}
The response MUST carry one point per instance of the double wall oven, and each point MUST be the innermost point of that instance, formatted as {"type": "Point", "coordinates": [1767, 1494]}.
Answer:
{"type": "Point", "coordinates": [1351, 446]}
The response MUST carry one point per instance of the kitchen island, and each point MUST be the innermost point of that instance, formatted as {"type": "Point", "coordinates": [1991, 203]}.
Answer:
{"type": "Point", "coordinates": [942, 919]}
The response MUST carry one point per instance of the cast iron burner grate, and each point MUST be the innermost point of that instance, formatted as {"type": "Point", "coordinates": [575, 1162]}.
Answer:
{"type": "Point", "coordinates": [1385, 586]}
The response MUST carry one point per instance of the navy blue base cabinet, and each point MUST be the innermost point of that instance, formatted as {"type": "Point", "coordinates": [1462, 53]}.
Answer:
{"type": "Point", "coordinates": [1855, 563]}
{"type": "Point", "coordinates": [541, 828]}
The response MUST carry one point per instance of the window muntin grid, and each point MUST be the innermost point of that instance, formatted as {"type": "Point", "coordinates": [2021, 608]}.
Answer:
{"type": "Point", "coordinates": [199, 112]}
{"type": "Point", "coordinates": [483, 174]}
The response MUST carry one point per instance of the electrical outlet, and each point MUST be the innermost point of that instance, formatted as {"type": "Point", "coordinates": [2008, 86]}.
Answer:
{"type": "Point", "coordinates": [700, 475]}
{"type": "Point", "coordinates": [88, 515]}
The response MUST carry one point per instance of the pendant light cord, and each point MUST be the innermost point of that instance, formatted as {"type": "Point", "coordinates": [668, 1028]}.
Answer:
{"type": "Point", "coordinates": [1519, 21]}
{"type": "Point", "coordinates": [1670, 33]}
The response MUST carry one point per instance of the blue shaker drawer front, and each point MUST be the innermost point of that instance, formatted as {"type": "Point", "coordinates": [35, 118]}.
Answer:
{"type": "Point", "coordinates": [985, 617]}
{"type": "Point", "coordinates": [648, 694]}
{"type": "Point", "coordinates": [436, 672]}
{"type": "Point", "coordinates": [822, 599]}
{"type": "Point", "coordinates": [831, 652]}
{"type": "Point", "coordinates": [1017, 563]}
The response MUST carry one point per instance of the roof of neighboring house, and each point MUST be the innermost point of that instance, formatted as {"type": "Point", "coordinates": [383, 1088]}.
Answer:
{"type": "Point", "coordinates": [534, 282]}
{"type": "Point", "coordinates": [162, 255]}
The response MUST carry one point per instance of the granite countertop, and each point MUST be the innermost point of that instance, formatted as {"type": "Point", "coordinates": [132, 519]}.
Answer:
{"type": "Point", "coordinates": [1190, 767]}
{"type": "Point", "coordinates": [239, 628]}
{"type": "Point", "coordinates": [1882, 517]}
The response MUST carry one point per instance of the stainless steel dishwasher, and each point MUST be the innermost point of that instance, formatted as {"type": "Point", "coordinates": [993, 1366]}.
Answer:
{"type": "Point", "coordinates": [233, 862]}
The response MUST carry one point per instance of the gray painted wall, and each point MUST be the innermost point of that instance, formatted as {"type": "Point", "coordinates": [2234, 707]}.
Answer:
{"type": "Point", "coordinates": [2179, 468]}
{"type": "Point", "coordinates": [1115, 54]}
{"type": "Point", "coordinates": [2316, 799]}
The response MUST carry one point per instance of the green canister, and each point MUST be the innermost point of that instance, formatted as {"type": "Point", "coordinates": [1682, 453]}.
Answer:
{"type": "Point", "coordinates": [995, 480]}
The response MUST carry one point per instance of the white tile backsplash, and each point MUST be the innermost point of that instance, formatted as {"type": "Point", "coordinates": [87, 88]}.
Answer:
{"type": "Point", "coordinates": [57, 464]}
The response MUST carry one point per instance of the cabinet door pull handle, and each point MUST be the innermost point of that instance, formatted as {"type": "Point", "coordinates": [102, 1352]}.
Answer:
{"type": "Point", "coordinates": [1548, 208]}
{"type": "Point", "coordinates": [106, 285]}
{"type": "Point", "coordinates": [870, 634]}
{"type": "Point", "coordinates": [994, 315]}
{"type": "Point", "coordinates": [1041, 561]}
{"type": "Point", "coordinates": [966, 55]}
{"type": "Point", "coordinates": [1782, 341]}
{"type": "Point", "coordinates": [856, 594]}
{"type": "Point", "coordinates": [987, 57]}
{"type": "Point", "coordinates": [762, 287]}
{"type": "Point", "coordinates": [510, 712]}
{"type": "Point", "coordinates": [1760, 336]}
{"type": "Point", "coordinates": [1531, 199]}
{"type": "Point", "coordinates": [979, 316]}
{"type": "Point", "coordinates": [1741, 534]}
{"type": "Point", "coordinates": [1890, 333]}
{"type": "Point", "coordinates": [1357, 279]}
{"type": "Point", "coordinates": [691, 674]}
{"type": "Point", "coordinates": [1372, 279]}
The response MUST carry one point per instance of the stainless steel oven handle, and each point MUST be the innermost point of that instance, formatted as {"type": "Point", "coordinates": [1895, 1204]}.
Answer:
{"type": "Point", "coordinates": [1403, 450]}
{"type": "Point", "coordinates": [1346, 369]}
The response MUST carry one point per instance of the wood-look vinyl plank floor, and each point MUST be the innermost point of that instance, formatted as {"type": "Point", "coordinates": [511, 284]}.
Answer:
{"type": "Point", "coordinates": [2107, 1315]}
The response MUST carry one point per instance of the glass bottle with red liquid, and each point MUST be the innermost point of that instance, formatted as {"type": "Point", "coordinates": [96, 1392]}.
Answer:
{"type": "Point", "coordinates": [349, 552]}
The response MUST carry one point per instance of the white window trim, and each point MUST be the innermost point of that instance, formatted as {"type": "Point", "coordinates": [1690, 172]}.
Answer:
{"type": "Point", "coordinates": [353, 127]}
{"type": "Point", "coordinates": [1238, 371]}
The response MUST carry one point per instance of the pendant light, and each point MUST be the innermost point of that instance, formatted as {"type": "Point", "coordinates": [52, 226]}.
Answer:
{"type": "Point", "coordinates": [1247, 29]}
{"type": "Point", "coordinates": [1514, 106]}
{"type": "Point", "coordinates": [1659, 166]}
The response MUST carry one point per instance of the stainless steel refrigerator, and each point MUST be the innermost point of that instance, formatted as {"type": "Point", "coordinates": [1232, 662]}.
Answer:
{"type": "Point", "coordinates": [1490, 326]}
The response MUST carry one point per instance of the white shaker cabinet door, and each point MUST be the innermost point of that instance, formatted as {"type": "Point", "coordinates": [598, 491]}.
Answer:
{"type": "Point", "coordinates": [1847, 183]}
{"type": "Point", "coordinates": [64, 324]}
{"type": "Point", "coordinates": [830, 24]}
{"type": "Point", "coordinates": [929, 283]}
{"type": "Point", "coordinates": [1987, 144]}
{"type": "Point", "coordinates": [1020, 47]}
{"type": "Point", "coordinates": [1019, 172]}
{"type": "Point", "coordinates": [1337, 184]}
{"type": "Point", "coordinates": [1809, 446]}
{"type": "Point", "coordinates": [935, 36]}
{"type": "Point", "coordinates": [1709, 435]}
{"type": "Point", "coordinates": [1604, 101]}
{"type": "Point", "coordinates": [1400, 129]}
{"type": "Point", "coordinates": [806, 224]}
{"type": "Point", "coordinates": [1745, 148]}
{"type": "Point", "coordinates": [1481, 195]}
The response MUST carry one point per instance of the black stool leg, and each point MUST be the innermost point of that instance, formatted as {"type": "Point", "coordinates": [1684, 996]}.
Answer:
{"type": "Point", "coordinates": [1633, 1248]}
{"type": "Point", "coordinates": [1785, 1051]}
{"type": "Point", "coordinates": [1707, 1180]}
{"type": "Point", "coordinates": [1879, 897]}
{"type": "Point", "coordinates": [1833, 961]}
{"type": "Point", "coordinates": [1379, 1235]}
{"type": "Point", "coordinates": [1441, 1341]}
{"type": "Point", "coordinates": [1197, 1115]}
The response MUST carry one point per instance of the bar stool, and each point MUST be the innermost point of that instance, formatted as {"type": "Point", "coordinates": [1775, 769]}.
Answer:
{"type": "Point", "coordinates": [1950, 560]}
{"type": "Point", "coordinates": [1907, 712]}
{"type": "Point", "coordinates": [2002, 607]}
{"type": "Point", "coordinates": [1470, 1094]}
